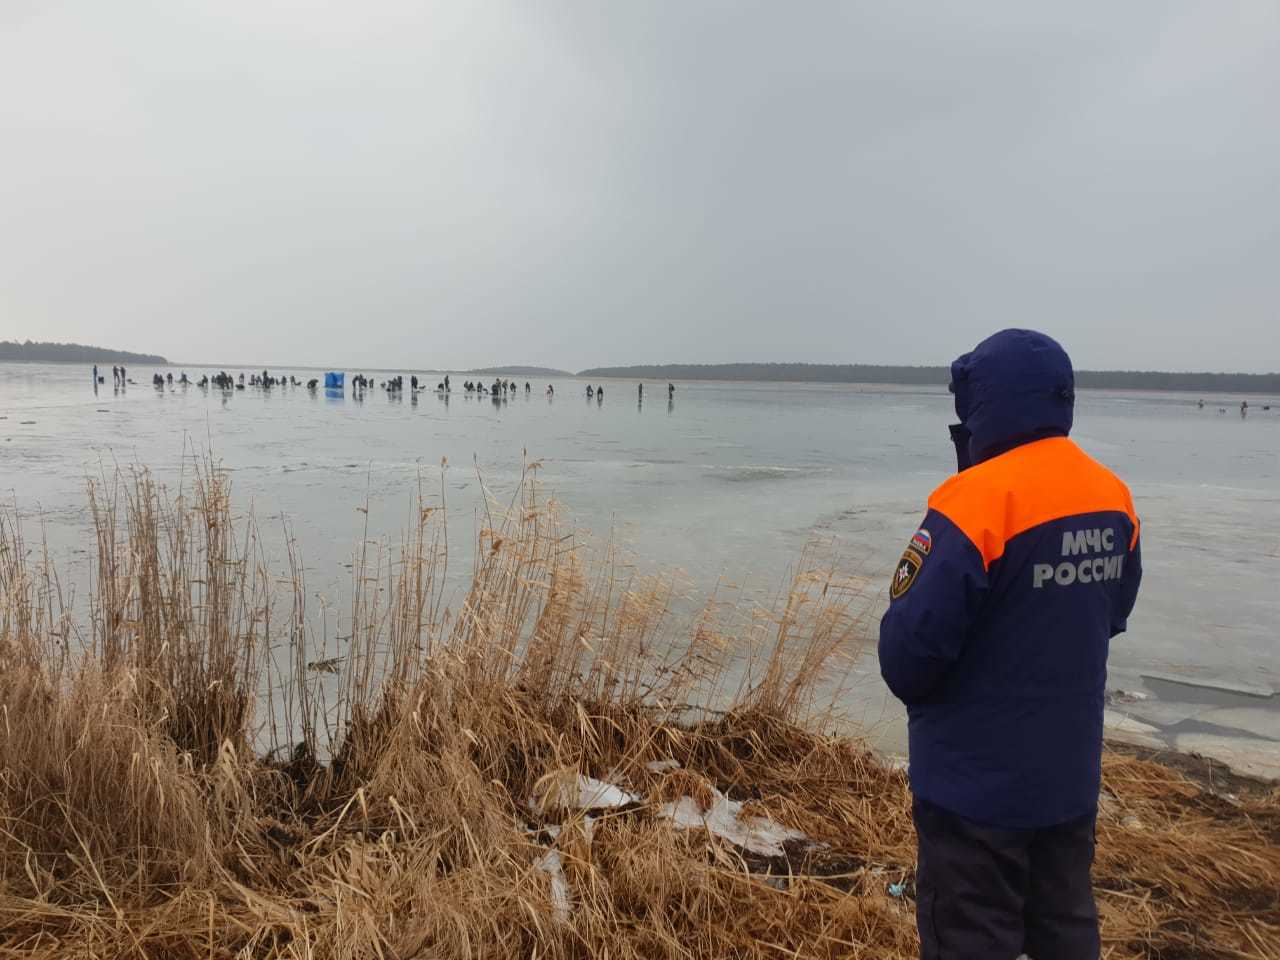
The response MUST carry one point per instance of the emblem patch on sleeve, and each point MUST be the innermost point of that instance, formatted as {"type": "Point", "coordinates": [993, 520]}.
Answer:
{"type": "Point", "coordinates": [904, 575]}
{"type": "Point", "coordinates": [922, 540]}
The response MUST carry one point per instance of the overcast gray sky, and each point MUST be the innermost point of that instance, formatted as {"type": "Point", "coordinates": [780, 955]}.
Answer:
{"type": "Point", "coordinates": [572, 184]}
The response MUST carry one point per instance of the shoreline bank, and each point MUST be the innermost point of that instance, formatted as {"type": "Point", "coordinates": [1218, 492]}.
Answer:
{"type": "Point", "coordinates": [189, 773]}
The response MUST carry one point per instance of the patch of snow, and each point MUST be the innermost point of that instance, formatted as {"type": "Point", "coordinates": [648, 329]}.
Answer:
{"type": "Point", "coordinates": [596, 794]}
{"type": "Point", "coordinates": [1108, 805]}
{"type": "Point", "coordinates": [724, 818]}
{"type": "Point", "coordinates": [578, 792]}
{"type": "Point", "coordinates": [551, 864]}
{"type": "Point", "coordinates": [662, 766]}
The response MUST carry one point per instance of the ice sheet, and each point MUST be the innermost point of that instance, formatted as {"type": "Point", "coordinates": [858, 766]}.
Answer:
{"type": "Point", "coordinates": [1255, 758]}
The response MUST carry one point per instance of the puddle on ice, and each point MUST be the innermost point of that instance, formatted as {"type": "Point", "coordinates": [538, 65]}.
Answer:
{"type": "Point", "coordinates": [1259, 721]}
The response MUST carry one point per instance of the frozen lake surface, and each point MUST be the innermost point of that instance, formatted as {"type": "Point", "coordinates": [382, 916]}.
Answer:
{"type": "Point", "coordinates": [729, 480]}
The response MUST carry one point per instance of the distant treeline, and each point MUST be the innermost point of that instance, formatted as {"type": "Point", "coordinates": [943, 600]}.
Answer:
{"type": "Point", "coordinates": [32, 352]}
{"type": "Point", "coordinates": [1256, 383]}
{"type": "Point", "coordinates": [788, 372]}
{"type": "Point", "coordinates": [518, 371]}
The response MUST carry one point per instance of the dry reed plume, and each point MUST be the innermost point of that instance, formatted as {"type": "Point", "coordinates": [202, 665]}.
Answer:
{"type": "Point", "coordinates": [180, 777]}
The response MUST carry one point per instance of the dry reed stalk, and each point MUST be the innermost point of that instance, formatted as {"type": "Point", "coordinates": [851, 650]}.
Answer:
{"type": "Point", "coordinates": [145, 812]}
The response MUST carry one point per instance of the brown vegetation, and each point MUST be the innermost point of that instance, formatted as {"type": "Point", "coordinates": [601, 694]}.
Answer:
{"type": "Point", "coordinates": [175, 781]}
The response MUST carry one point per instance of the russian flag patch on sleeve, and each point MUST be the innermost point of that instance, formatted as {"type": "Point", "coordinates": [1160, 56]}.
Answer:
{"type": "Point", "coordinates": [922, 541]}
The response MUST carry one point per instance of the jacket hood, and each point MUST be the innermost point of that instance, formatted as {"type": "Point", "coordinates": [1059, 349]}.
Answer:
{"type": "Point", "coordinates": [1014, 387]}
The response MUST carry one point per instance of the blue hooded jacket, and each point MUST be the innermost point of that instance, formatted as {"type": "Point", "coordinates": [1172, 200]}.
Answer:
{"type": "Point", "coordinates": [1004, 602]}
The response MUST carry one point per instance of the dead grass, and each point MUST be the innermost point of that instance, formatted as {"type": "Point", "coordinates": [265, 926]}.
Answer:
{"type": "Point", "coordinates": [176, 782]}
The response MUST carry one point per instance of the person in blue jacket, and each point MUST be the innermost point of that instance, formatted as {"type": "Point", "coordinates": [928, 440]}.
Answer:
{"type": "Point", "coordinates": [1000, 616]}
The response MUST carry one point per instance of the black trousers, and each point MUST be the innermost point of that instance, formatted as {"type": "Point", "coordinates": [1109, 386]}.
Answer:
{"type": "Point", "coordinates": [989, 894]}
